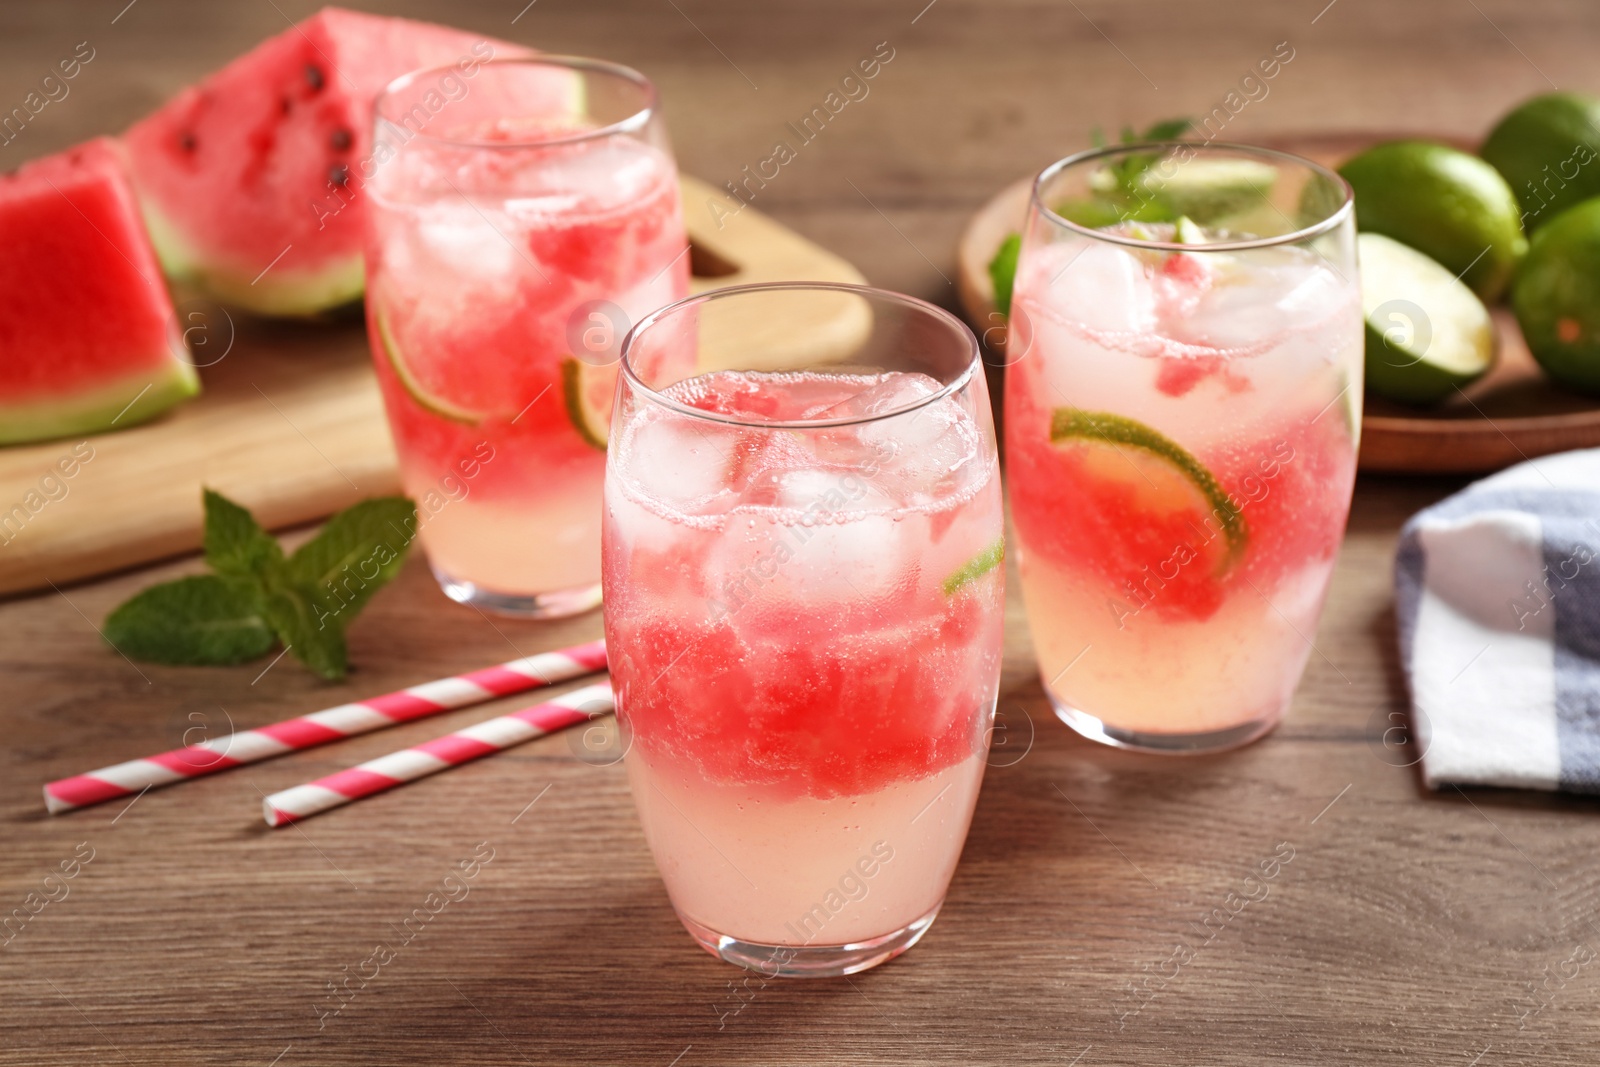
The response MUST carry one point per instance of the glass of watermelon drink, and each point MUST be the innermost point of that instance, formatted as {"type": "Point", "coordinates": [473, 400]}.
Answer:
{"type": "Point", "coordinates": [519, 220]}
{"type": "Point", "coordinates": [804, 591]}
{"type": "Point", "coordinates": [1182, 415]}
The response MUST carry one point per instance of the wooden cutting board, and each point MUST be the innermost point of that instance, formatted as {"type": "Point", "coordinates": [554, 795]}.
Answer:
{"type": "Point", "coordinates": [290, 423]}
{"type": "Point", "coordinates": [1511, 414]}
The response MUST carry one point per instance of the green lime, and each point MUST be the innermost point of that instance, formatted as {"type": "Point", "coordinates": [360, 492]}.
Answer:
{"type": "Point", "coordinates": [1187, 232]}
{"type": "Point", "coordinates": [1426, 333]}
{"type": "Point", "coordinates": [976, 568]}
{"type": "Point", "coordinates": [1206, 190]}
{"type": "Point", "coordinates": [1099, 212]}
{"type": "Point", "coordinates": [1209, 190]}
{"type": "Point", "coordinates": [587, 391]}
{"type": "Point", "coordinates": [1450, 206]}
{"type": "Point", "coordinates": [1546, 150]}
{"type": "Point", "coordinates": [438, 405]}
{"type": "Point", "coordinates": [1167, 475]}
{"type": "Point", "coordinates": [1557, 297]}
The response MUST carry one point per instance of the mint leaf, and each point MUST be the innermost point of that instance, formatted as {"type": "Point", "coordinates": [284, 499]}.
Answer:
{"type": "Point", "coordinates": [1003, 271]}
{"type": "Point", "coordinates": [1167, 130]}
{"type": "Point", "coordinates": [307, 629]}
{"type": "Point", "coordinates": [1131, 167]}
{"type": "Point", "coordinates": [235, 543]}
{"type": "Point", "coordinates": [206, 619]}
{"type": "Point", "coordinates": [258, 597]}
{"type": "Point", "coordinates": [359, 550]}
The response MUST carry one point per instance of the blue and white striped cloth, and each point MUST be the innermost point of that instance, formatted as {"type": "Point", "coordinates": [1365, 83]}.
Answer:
{"type": "Point", "coordinates": [1497, 590]}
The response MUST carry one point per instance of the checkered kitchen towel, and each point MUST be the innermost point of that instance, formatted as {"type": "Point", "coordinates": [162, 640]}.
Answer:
{"type": "Point", "coordinates": [1497, 590]}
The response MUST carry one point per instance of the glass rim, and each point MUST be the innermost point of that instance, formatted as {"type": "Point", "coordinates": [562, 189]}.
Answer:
{"type": "Point", "coordinates": [1334, 220]}
{"type": "Point", "coordinates": [632, 123]}
{"type": "Point", "coordinates": [867, 292]}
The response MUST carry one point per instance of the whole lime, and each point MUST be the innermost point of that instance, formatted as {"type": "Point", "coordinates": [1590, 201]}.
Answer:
{"type": "Point", "coordinates": [1448, 205]}
{"type": "Point", "coordinates": [1557, 297]}
{"type": "Point", "coordinates": [1548, 151]}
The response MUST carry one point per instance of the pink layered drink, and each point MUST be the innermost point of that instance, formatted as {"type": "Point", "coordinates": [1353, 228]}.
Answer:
{"type": "Point", "coordinates": [804, 629]}
{"type": "Point", "coordinates": [507, 256]}
{"type": "Point", "coordinates": [1181, 429]}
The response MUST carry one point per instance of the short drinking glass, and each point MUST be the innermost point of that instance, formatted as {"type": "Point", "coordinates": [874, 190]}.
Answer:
{"type": "Point", "coordinates": [1183, 408]}
{"type": "Point", "coordinates": [804, 594]}
{"type": "Point", "coordinates": [520, 217]}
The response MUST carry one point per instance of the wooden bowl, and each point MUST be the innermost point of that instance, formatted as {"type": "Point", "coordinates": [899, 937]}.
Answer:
{"type": "Point", "coordinates": [1511, 414]}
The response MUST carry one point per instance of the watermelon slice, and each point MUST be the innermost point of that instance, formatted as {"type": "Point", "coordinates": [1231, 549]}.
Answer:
{"type": "Point", "coordinates": [88, 338]}
{"type": "Point", "coordinates": [251, 182]}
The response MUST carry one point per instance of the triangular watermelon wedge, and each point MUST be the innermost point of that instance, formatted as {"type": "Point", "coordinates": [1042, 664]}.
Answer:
{"type": "Point", "coordinates": [88, 339]}
{"type": "Point", "coordinates": [251, 182]}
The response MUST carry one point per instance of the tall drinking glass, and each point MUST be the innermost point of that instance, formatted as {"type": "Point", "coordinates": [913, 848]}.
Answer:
{"type": "Point", "coordinates": [804, 595]}
{"type": "Point", "coordinates": [1181, 423]}
{"type": "Point", "coordinates": [521, 214]}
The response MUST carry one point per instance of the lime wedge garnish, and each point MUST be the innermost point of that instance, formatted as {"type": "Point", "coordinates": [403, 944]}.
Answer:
{"type": "Point", "coordinates": [587, 391]}
{"type": "Point", "coordinates": [408, 381]}
{"type": "Point", "coordinates": [1211, 189]}
{"type": "Point", "coordinates": [976, 567]}
{"type": "Point", "coordinates": [1188, 232]}
{"type": "Point", "coordinates": [1206, 190]}
{"type": "Point", "coordinates": [1169, 468]}
{"type": "Point", "coordinates": [1427, 333]}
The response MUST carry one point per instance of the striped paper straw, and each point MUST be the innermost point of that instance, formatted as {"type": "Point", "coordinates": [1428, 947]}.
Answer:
{"type": "Point", "coordinates": [451, 750]}
{"type": "Point", "coordinates": [318, 728]}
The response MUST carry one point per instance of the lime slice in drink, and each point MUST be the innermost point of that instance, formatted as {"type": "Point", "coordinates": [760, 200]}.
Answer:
{"type": "Point", "coordinates": [414, 388]}
{"type": "Point", "coordinates": [976, 568]}
{"type": "Point", "coordinates": [1445, 204]}
{"type": "Point", "coordinates": [1159, 475]}
{"type": "Point", "coordinates": [1426, 333]}
{"type": "Point", "coordinates": [587, 390]}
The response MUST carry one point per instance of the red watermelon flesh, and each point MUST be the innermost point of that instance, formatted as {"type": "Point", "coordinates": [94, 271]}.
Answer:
{"type": "Point", "coordinates": [251, 182]}
{"type": "Point", "coordinates": [88, 340]}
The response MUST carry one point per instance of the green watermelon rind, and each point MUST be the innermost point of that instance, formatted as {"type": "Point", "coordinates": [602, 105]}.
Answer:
{"type": "Point", "coordinates": [110, 405]}
{"type": "Point", "coordinates": [288, 295]}
{"type": "Point", "coordinates": [273, 291]}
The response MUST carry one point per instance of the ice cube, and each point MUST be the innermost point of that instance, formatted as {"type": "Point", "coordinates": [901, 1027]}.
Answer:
{"type": "Point", "coordinates": [856, 557]}
{"type": "Point", "coordinates": [467, 248]}
{"type": "Point", "coordinates": [813, 496]}
{"type": "Point", "coordinates": [1095, 284]}
{"type": "Point", "coordinates": [1261, 296]}
{"type": "Point", "coordinates": [868, 446]}
{"type": "Point", "coordinates": [681, 462]}
{"type": "Point", "coordinates": [888, 393]}
{"type": "Point", "coordinates": [942, 467]}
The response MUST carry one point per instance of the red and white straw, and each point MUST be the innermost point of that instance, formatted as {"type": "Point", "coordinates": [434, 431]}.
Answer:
{"type": "Point", "coordinates": [319, 728]}
{"type": "Point", "coordinates": [451, 750]}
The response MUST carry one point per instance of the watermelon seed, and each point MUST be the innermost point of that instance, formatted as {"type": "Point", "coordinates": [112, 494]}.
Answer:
{"type": "Point", "coordinates": [339, 174]}
{"type": "Point", "coordinates": [284, 104]}
{"type": "Point", "coordinates": [186, 141]}
{"type": "Point", "coordinates": [340, 139]}
{"type": "Point", "coordinates": [314, 77]}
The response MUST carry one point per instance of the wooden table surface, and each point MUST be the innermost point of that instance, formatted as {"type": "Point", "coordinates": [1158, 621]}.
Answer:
{"type": "Point", "coordinates": [1408, 928]}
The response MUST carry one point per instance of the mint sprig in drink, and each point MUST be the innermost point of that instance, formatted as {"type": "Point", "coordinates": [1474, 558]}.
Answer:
{"type": "Point", "coordinates": [804, 595]}
{"type": "Point", "coordinates": [520, 220]}
{"type": "Point", "coordinates": [1181, 430]}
